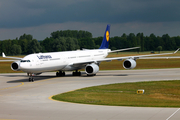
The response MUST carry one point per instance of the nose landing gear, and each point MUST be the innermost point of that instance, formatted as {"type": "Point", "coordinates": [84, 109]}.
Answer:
{"type": "Point", "coordinates": [31, 79]}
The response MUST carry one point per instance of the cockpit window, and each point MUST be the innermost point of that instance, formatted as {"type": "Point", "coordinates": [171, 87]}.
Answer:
{"type": "Point", "coordinates": [25, 61]}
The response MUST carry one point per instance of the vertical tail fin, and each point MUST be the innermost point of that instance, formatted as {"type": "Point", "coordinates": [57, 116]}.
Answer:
{"type": "Point", "coordinates": [105, 42]}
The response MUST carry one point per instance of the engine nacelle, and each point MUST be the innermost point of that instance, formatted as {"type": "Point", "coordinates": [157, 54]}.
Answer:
{"type": "Point", "coordinates": [92, 69]}
{"type": "Point", "coordinates": [15, 66]}
{"type": "Point", "coordinates": [129, 64]}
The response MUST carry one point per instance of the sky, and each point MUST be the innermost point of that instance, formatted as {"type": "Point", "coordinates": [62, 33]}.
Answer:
{"type": "Point", "coordinates": [42, 17]}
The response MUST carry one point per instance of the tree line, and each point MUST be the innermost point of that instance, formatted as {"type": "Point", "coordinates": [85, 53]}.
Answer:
{"type": "Point", "coordinates": [68, 40]}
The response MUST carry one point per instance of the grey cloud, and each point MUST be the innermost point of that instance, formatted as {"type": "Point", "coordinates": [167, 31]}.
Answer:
{"type": "Point", "coordinates": [24, 13]}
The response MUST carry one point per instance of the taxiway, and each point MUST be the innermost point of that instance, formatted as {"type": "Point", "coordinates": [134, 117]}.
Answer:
{"type": "Point", "coordinates": [23, 100]}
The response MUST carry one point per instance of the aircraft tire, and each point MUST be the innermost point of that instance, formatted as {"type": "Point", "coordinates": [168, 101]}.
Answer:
{"type": "Point", "coordinates": [76, 73]}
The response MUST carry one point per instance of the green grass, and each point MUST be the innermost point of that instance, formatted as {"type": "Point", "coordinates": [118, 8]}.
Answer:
{"type": "Point", "coordinates": [5, 67]}
{"type": "Point", "coordinates": [157, 94]}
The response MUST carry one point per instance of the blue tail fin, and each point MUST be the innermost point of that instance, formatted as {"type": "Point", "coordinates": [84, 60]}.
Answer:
{"type": "Point", "coordinates": [105, 42]}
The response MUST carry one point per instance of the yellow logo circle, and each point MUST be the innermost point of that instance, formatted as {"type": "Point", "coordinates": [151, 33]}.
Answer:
{"type": "Point", "coordinates": [107, 35]}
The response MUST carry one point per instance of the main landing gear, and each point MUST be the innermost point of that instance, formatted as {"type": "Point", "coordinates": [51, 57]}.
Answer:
{"type": "Point", "coordinates": [60, 73]}
{"type": "Point", "coordinates": [76, 73]}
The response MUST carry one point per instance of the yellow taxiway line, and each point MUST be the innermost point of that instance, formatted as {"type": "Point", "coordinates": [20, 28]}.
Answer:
{"type": "Point", "coordinates": [13, 87]}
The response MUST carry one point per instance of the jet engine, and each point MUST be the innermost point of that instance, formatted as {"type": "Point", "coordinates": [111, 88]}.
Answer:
{"type": "Point", "coordinates": [129, 64]}
{"type": "Point", "coordinates": [15, 66]}
{"type": "Point", "coordinates": [91, 69]}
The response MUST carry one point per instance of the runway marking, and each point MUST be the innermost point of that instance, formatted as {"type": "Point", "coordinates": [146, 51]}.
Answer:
{"type": "Point", "coordinates": [27, 83]}
{"type": "Point", "coordinates": [173, 114]}
{"type": "Point", "coordinates": [41, 80]}
{"type": "Point", "coordinates": [51, 98]}
{"type": "Point", "coordinates": [7, 119]}
{"type": "Point", "coordinates": [45, 80]}
{"type": "Point", "coordinates": [13, 86]}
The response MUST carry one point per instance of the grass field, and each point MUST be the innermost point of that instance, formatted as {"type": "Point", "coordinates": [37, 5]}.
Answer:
{"type": "Point", "coordinates": [117, 65]}
{"type": "Point", "coordinates": [157, 94]}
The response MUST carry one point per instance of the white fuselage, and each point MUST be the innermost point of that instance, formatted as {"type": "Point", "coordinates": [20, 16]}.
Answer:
{"type": "Point", "coordinates": [64, 61]}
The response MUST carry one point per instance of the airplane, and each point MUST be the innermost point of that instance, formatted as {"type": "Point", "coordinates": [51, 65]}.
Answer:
{"type": "Point", "coordinates": [89, 60]}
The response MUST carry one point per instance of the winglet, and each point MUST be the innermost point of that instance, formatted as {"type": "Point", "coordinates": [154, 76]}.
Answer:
{"type": "Point", "coordinates": [3, 55]}
{"type": "Point", "coordinates": [176, 50]}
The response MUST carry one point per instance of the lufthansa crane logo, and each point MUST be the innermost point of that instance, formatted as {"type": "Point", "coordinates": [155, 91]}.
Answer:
{"type": "Point", "coordinates": [107, 36]}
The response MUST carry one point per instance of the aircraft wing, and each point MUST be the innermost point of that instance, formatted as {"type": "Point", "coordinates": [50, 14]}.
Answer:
{"type": "Point", "coordinates": [7, 60]}
{"type": "Point", "coordinates": [168, 57]}
{"type": "Point", "coordinates": [141, 56]}
{"type": "Point", "coordinates": [123, 49]}
{"type": "Point", "coordinates": [16, 58]}
{"type": "Point", "coordinates": [122, 58]}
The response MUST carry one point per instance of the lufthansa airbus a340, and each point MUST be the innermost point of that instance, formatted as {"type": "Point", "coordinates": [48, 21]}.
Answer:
{"type": "Point", "coordinates": [73, 60]}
